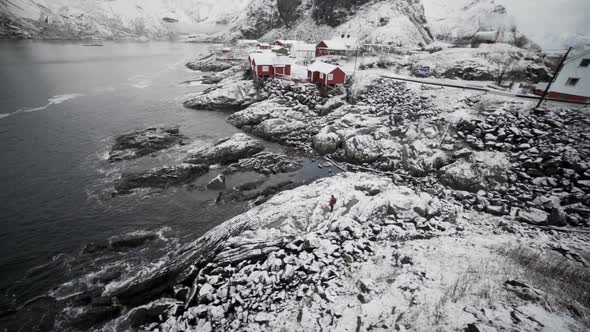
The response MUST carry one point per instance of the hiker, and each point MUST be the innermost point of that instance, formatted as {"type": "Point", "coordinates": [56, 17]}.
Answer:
{"type": "Point", "coordinates": [332, 202]}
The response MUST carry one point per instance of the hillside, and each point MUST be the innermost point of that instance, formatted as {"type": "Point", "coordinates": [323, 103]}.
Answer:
{"type": "Point", "coordinates": [406, 22]}
{"type": "Point", "coordinates": [113, 19]}
{"type": "Point", "coordinates": [377, 21]}
{"type": "Point", "coordinates": [453, 20]}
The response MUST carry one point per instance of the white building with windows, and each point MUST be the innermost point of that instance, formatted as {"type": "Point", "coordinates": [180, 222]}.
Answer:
{"type": "Point", "coordinates": [573, 81]}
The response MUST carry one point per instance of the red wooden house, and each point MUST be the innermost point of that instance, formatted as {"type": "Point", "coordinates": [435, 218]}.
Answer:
{"type": "Point", "coordinates": [269, 64]}
{"type": "Point", "coordinates": [325, 74]}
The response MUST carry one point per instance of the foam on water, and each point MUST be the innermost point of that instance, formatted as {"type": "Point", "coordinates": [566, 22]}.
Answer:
{"type": "Point", "coordinates": [55, 100]}
{"type": "Point", "coordinates": [140, 82]}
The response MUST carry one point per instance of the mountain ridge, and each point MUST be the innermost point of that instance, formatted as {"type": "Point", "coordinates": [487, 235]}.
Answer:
{"type": "Point", "coordinates": [407, 22]}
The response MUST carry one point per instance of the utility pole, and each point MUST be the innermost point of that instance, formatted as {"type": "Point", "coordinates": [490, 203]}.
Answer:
{"type": "Point", "coordinates": [554, 76]}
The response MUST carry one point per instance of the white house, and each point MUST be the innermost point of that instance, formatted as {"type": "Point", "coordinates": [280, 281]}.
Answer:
{"type": "Point", "coordinates": [573, 81]}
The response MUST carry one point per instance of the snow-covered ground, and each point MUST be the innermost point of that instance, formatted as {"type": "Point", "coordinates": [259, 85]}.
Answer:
{"type": "Point", "coordinates": [387, 258]}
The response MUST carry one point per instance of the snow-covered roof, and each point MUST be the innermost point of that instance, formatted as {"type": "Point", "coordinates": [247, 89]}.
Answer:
{"type": "Point", "coordinates": [341, 43]}
{"type": "Point", "coordinates": [247, 42]}
{"type": "Point", "coordinates": [263, 44]}
{"type": "Point", "coordinates": [269, 59]}
{"type": "Point", "coordinates": [286, 41]}
{"type": "Point", "coordinates": [302, 46]}
{"type": "Point", "coordinates": [322, 67]}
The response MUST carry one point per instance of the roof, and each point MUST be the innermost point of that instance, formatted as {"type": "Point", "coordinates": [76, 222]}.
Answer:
{"type": "Point", "coordinates": [578, 54]}
{"type": "Point", "coordinates": [341, 43]}
{"type": "Point", "coordinates": [322, 67]}
{"type": "Point", "coordinates": [246, 41]}
{"type": "Point", "coordinates": [302, 46]}
{"type": "Point", "coordinates": [269, 59]}
{"type": "Point", "coordinates": [286, 41]}
{"type": "Point", "coordinates": [263, 44]}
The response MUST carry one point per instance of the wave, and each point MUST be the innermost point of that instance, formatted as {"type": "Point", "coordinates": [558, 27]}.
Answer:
{"type": "Point", "coordinates": [140, 82]}
{"type": "Point", "coordinates": [55, 100]}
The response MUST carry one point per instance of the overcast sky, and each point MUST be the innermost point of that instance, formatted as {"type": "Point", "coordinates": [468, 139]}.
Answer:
{"type": "Point", "coordinates": [549, 22]}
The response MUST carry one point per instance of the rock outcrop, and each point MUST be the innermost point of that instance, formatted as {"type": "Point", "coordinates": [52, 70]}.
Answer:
{"type": "Point", "coordinates": [234, 96]}
{"type": "Point", "coordinates": [227, 150]}
{"type": "Point", "coordinates": [264, 163]}
{"type": "Point", "coordinates": [159, 178]}
{"type": "Point", "coordinates": [144, 142]}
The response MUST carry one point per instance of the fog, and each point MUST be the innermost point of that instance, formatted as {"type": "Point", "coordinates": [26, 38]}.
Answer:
{"type": "Point", "coordinates": [552, 23]}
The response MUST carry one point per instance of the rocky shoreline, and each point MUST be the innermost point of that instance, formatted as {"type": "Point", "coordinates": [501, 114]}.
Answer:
{"type": "Point", "coordinates": [437, 187]}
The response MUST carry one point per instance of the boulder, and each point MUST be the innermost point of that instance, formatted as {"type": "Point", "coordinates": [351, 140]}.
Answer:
{"type": "Point", "coordinates": [256, 113]}
{"type": "Point", "coordinates": [277, 129]}
{"type": "Point", "coordinates": [144, 142]}
{"type": "Point", "coordinates": [362, 149]}
{"type": "Point", "coordinates": [233, 96]}
{"type": "Point", "coordinates": [159, 178]}
{"type": "Point", "coordinates": [326, 143]}
{"type": "Point", "coordinates": [463, 176]}
{"type": "Point", "coordinates": [533, 216]}
{"type": "Point", "coordinates": [228, 150]}
{"type": "Point", "coordinates": [218, 183]}
{"type": "Point", "coordinates": [208, 63]}
{"type": "Point", "coordinates": [206, 293]}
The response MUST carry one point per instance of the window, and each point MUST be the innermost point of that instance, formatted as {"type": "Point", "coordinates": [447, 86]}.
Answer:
{"type": "Point", "coordinates": [330, 77]}
{"type": "Point", "coordinates": [264, 68]}
{"type": "Point", "coordinates": [585, 63]}
{"type": "Point", "coordinates": [572, 81]}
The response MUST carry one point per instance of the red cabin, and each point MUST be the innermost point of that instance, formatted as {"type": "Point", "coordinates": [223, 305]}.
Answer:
{"type": "Point", "coordinates": [269, 64]}
{"type": "Point", "coordinates": [325, 74]}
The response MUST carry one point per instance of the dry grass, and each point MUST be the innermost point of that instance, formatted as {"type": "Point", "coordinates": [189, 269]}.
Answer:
{"type": "Point", "coordinates": [567, 282]}
{"type": "Point", "coordinates": [564, 285]}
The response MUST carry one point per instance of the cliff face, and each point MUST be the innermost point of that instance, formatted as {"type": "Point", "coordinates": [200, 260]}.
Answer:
{"type": "Point", "coordinates": [376, 21]}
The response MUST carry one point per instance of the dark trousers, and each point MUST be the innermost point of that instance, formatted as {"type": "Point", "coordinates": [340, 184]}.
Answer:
{"type": "Point", "coordinates": [331, 208]}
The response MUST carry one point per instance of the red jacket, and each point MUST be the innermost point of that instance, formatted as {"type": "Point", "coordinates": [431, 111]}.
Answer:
{"type": "Point", "coordinates": [332, 201]}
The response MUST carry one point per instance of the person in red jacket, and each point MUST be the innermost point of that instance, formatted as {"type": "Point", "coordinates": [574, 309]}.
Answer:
{"type": "Point", "coordinates": [332, 202]}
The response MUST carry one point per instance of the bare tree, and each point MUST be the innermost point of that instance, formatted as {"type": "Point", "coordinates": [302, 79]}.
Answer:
{"type": "Point", "coordinates": [504, 63]}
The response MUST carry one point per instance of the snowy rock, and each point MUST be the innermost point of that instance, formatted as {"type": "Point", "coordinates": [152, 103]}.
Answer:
{"type": "Point", "coordinates": [228, 150]}
{"type": "Point", "coordinates": [144, 142]}
{"type": "Point", "coordinates": [362, 149]}
{"type": "Point", "coordinates": [265, 163]}
{"type": "Point", "coordinates": [218, 183]}
{"type": "Point", "coordinates": [159, 178]}
{"type": "Point", "coordinates": [263, 317]}
{"type": "Point", "coordinates": [206, 293]}
{"type": "Point", "coordinates": [463, 176]}
{"type": "Point", "coordinates": [233, 96]}
{"type": "Point", "coordinates": [326, 143]}
{"type": "Point", "coordinates": [277, 129]}
{"type": "Point", "coordinates": [533, 216]}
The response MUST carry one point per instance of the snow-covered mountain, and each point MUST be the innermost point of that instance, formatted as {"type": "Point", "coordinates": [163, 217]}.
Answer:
{"type": "Point", "coordinates": [378, 21]}
{"type": "Point", "coordinates": [114, 18]}
{"type": "Point", "coordinates": [452, 20]}
{"type": "Point", "coordinates": [375, 21]}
